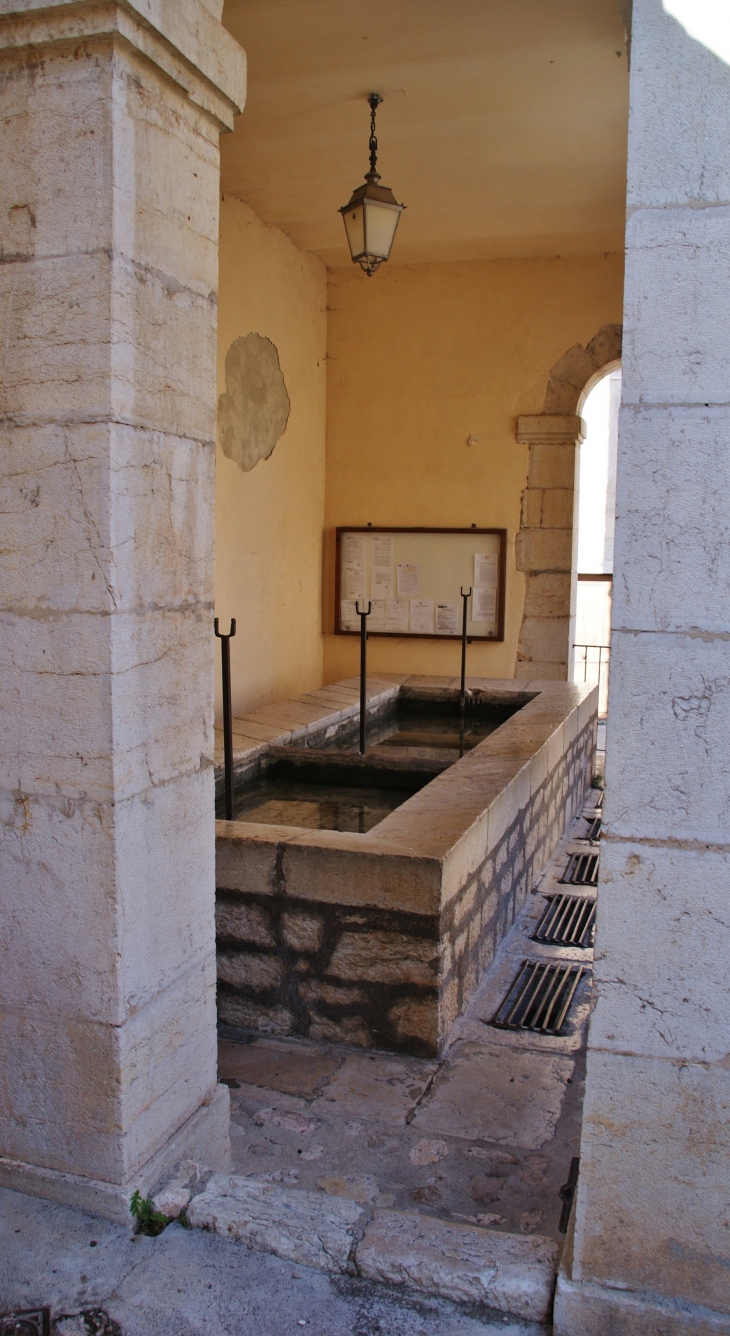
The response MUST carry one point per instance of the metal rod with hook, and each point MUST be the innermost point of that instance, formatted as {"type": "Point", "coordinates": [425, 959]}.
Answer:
{"type": "Point", "coordinates": [462, 694]}
{"type": "Point", "coordinates": [227, 716]}
{"type": "Point", "coordinates": [363, 669]}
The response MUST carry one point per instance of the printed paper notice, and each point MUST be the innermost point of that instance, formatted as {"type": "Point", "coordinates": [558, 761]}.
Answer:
{"type": "Point", "coordinates": [486, 566]}
{"type": "Point", "coordinates": [397, 615]}
{"type": "Point", "coordinates": [484, 605]}
{"type": "Point", "coordinates": [381, 565]}
{"type": "Point", "coordinates": [447, 619]}
{"type": "Point", "coordinates": [354, 566]}
{"type": "Point", "coordinates": [409, 579]}
{"type": "Point", "coordinates": [349, 620]}
{"type": "Point", "coordinates": [376, 620]}
{"type": "Point", "coordinates": [422, 616]}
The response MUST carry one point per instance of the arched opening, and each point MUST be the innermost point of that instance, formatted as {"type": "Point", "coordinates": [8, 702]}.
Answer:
{"type": "Point", "coordinates": [595, 510]}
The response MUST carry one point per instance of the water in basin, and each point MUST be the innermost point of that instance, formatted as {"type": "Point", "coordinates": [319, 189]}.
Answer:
{"type": "Point", "coordinates": [318, 806]}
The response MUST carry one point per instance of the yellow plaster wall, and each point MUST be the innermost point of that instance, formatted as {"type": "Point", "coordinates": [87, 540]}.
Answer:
{"type": "Point", "coordinates": [269, 521]}
{"type": "Point", "coordinates": [420, 358]}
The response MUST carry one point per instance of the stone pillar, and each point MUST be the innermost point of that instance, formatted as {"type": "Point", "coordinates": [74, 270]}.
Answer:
{"type": "Point", "coordinates": [109, 190]}
{"type": "Point", "coordinates": [651, 1251]}
{"type": "Point", "coordinates": [544, 544]}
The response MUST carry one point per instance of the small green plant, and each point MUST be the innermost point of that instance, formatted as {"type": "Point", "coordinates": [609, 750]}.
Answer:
{"type": "Point", "coordinates": [597, 782]}
{"type": "Point", "coordinates": [149, 1221]}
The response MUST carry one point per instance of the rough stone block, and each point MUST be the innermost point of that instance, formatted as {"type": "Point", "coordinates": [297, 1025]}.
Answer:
{"type": "Point", "coordinates": [345, 1030]}
{"type": "Point", "coordinates": [247, 1015]}
{"type": "Point", "coordinates": [546, 639]}
{"type": "Point", "coordinates": [244, 861]}
{"type": "Point", "coordinates": [384, 957]}
{"type": "Point", "coordinates": [415, 1018]}
{"type": "Point", "coordinates": [302, 932]}
{"type": "Point", "coordinates": [532, 508]}
{"type": "Point", "coordinates": [509, 1272]}
{"type": "Point", "coordinates": [242, 969]}
{"type": "Point", "coordinates": [313, 1229]}
{"type": "Point", "coordinates": [243, 922]}
{"type": "Point", "coordinates": [544, 550]}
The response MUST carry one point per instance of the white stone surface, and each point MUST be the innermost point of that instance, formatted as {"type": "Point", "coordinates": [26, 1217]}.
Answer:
{"type": "Point", "coordinates": [312, 1228]}
{"type": "Point", "coordinates": [507, 1271]}
{"type": "Point", "coordinates": [671, 1002]}
{"type": "Point", "coordinates": [108, 210]}
{"type": "Point", "coordinates": [668, 750]}
{"type": "Point", "coordinates": [652, 1250]}
{"type": "Point", "coordinates": [666, 504]}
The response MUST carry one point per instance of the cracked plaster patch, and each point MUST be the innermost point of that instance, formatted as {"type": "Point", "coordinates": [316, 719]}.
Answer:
{"type": "Point", "coordinates": [254, 410]}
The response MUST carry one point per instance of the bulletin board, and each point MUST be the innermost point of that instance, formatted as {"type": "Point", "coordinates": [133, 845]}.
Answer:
{"type": "Point", "coordinates": [414, 577]}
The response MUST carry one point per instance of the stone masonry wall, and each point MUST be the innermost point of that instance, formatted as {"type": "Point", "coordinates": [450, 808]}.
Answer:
{"type": "Point", "coordinates": [386, 978]}
{"type": "Point", "coordinates": [476, 919]}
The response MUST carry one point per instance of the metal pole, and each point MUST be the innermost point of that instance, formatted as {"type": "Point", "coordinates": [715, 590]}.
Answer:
{"type": "Point", "coordinates": [462, 693]}
{"type": "Point", "coordinates": [227, 719]}
{"type": "Point", "coordinates": [363, 670]}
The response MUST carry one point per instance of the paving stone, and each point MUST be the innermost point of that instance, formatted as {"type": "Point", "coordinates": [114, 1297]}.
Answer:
{"type": "Point", "coordinates": [380, 1087]}
{"type": "Point", "coordinates": [293, 1069]}
{"type": "Point", "coordinates": [506, 1271]}
{"type": "Point", "coordinates": [486, 1094]}
{"type": "Point", "coordinates": [314, 1229]}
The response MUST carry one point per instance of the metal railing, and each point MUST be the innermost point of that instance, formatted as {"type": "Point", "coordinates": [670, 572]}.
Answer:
{"type": "Point", "coordinates": [595, 660]}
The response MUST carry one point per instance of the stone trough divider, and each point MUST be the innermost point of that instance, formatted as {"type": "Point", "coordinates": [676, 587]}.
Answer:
{"type": "Point", "coordinates": [513, 1273]}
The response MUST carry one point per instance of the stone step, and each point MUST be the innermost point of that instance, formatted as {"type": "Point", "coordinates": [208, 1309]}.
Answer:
{"type": "Point", "coordinates": [513, 1273]}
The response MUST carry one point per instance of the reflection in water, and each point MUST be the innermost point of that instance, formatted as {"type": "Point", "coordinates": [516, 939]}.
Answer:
{"type": "Point", "coordinates": [279, 802]}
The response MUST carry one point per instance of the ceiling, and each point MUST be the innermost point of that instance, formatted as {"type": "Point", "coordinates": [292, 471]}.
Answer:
{"type": "Point", "coordinates": [503, 127]}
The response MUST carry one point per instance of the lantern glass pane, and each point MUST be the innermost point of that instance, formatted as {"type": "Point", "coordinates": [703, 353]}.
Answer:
{"type": "Point", "coordinates": [380, 225]}
{"type": "Point", "coordinates": [354, 226]}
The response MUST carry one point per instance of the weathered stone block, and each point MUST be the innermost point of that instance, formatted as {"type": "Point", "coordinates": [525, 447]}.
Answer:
{"type": "Point", "coordinates": [532, 499]}
{"type": "Point", "coordinates": [552, 466]}
{"type": "Point", "coordinates": [345, 1030]}
{"type": "Point", "coordinates": [544, 550]}
{"type": "Point", "coordinates": [557, 508]}
{"type": "Point", "coordinates": [311, 1228]}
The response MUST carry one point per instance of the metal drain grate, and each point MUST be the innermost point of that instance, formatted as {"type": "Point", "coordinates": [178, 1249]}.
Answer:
{"type": "Point", "coordinates": [29, 1322]}
{"type": "Point", "coordinates": [581, 870]}
{"type": "Point", "coordinates": [594, 828]}
{"type": "Point", "coordinates": [539, 997]}
{"type": "Point", "coordinates": [568, 920]}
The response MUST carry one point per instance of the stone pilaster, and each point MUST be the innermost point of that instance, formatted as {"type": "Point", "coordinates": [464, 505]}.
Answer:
{"type": "Point", "coordinates": [544, 544]}
{"type": "Point", "coordinates": [108, 274]}
{"type": "Point", "coordinates": [652, 1224]}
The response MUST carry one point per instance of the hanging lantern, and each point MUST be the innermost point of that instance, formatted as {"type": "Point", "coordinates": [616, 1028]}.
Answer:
{"type": "Point", "coordinates": [372, 215]}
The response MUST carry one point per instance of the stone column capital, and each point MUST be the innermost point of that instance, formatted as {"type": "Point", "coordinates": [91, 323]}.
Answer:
{"type": "Point", "coordinates": [183, 38]}
{"type": "Point", "coordinates": [550, 429]}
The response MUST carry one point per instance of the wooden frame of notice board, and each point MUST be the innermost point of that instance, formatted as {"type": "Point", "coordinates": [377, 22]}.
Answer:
{"type": "Point", "coordinates": [445, 559]}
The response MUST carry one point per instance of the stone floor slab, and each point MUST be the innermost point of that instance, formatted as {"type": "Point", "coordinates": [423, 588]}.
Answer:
{"type": "Point", "coordinates": [507, 1271]}
{"type": "Point", "coordinates": [378, 1086]}
{"type": "Point", "coordinates": [483, 1097]}
{"type": "Point", "coordinates": [293, 1069]}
